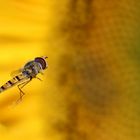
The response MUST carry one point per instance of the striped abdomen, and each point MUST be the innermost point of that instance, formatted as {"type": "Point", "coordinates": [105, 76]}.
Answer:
{"type": "Point", "coordinates": [17, 79]}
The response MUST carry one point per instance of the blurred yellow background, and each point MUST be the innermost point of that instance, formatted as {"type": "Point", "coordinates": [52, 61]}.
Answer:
{"type": "Point", "coordinates": [22, 33]}
{"type": "Point", "coordinates": [91, 89]}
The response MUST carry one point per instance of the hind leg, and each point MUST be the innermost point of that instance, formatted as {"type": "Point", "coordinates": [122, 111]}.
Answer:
{"type": "Point", "coordinates": [20, 86]}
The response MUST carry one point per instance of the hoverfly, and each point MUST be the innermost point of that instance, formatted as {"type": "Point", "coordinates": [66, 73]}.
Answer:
{"type": "Point", "coordinates": [23, 76]}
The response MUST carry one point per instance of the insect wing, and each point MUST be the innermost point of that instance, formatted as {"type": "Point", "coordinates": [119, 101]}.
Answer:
{"type": "Point", "coordinates": [16, 72]}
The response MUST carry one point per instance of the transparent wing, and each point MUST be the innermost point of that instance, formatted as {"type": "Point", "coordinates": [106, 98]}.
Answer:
{"type": "Point", "coordinates": [16, 72]}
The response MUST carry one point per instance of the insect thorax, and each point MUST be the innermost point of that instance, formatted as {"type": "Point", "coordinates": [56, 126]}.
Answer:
{"type": "Point", "coordinates": [31, 69]}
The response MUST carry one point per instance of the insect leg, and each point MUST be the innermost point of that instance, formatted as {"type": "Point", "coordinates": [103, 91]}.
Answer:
{"type": "Point", "coordinates": [20, 86]}
{"type": "Point", "coordinates": [38, 78]}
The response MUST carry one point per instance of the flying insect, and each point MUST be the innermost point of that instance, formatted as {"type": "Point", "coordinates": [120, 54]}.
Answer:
{"type": "Point", "coordinates": [24, 75]}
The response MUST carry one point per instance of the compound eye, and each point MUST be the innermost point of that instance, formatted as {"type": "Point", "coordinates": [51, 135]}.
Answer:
{"type": "Point", "coordinates": [41, 61]}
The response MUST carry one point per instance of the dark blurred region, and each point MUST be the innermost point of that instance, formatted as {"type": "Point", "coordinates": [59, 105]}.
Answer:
{"type": "Point", "coordinates": [94, 73]}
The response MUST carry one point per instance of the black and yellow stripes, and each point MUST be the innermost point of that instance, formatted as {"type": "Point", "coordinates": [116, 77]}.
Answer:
{"type": "Point", "coordinates": [17, 79]}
